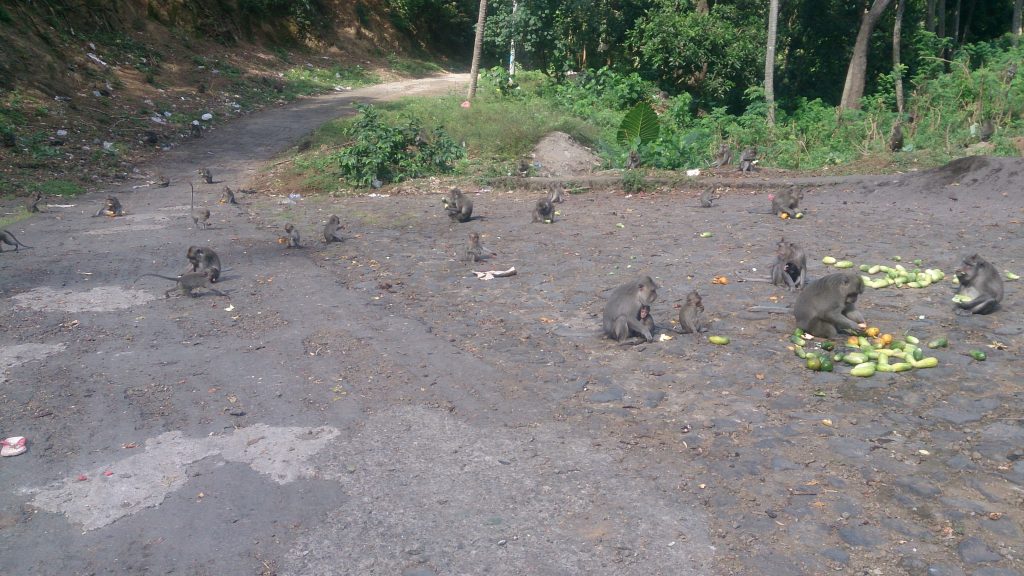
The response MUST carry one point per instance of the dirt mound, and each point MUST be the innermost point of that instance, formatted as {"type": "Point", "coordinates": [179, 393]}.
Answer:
{"type": "Point", "coordinates": [557, 155]}
{"type": "Point", "coordinates": [993, 172]}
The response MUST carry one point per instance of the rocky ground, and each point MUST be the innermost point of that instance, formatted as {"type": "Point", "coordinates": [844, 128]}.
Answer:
{"type": "Point", "coordinates": [371, 407]}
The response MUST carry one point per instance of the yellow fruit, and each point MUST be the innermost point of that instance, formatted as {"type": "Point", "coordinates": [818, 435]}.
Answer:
{"type": "Point", "coordinates": [872, 331]}
{"type": "Point", "coordinates": [886, 339]}
{"type": "Point", "coordinates": [853, 341]}
{"type": "Point", "coordinates": [783, 215]}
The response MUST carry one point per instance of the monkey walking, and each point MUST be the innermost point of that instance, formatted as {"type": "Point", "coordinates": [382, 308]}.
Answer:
{"type": "Point", "coordinates": [228, 197]}
{"type": "Point", "coordinates": [204, 260]}
{"type": "Point", "coordinates": [291, 237]}
{"type": "Point", "coordinates": [458, 206]}
{"type": "Point", "coordinates": [332, 230]}
{"type": "Point", "coordinates": [544, 211]}
{"type": "Point", "coordinates": [198, 216]}
{"type": "Point", "coordinates": [723, 156]}
{"type": "Point", "coordinates": [691, 316]}
{"type": "Point", "coordinates": [112, 207]}
{"type": "Point", "coordinates": [624, 314]}
{"type": "Point", "coordinates": [980, 286]}
{"type": "Point", "coordinates": [6, 237]}
{"type": "Point", "coordinates": [748, 158]}
{"type": "Point", "coordinates": [187, 282]}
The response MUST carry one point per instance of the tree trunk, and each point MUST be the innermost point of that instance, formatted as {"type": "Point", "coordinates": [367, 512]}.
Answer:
{"type": "Point", "coordinates": [956, 24]}
{"type": "Point", "coordinates": [478, 44]}
{"type": "Point", "coordinates": [1017, 5]}
{"type": "Point", "coordinates": [967, 21]}
{"type": "Point", "coordinates": [702, 7]}
{"type": "Point", "coordinates": [854, 87]}
{"type": "Point", "coordinates": [929, 16]}
{"type": "Point", "coordinates": [769, 60]}
{"type": "Point", "coordinates": [940, 14]}
{"type": "Point", "coordinates": [897, 29]}
{"type": "Point", "coordinates": [512, 45]}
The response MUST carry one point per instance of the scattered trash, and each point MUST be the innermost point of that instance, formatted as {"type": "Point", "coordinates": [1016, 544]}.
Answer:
{"type": "Point", "coordinates": [693, 172]}
{"type": "Point", "coordinates": [96, 59]}
{"type": "Point", "coordinates": [229, 308]}
{"type": "Point", "coordinates": [207, 117]}
{"type": "Point", "coordinates": [13, 446]}
{"type": "Point", "coordinates": [492, 274]}
{"type": "Point", "coordinates": [664, 338]}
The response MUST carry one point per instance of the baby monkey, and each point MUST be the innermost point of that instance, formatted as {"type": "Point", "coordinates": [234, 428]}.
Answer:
{"type": "Point", "coordinates": [188, 282]}
{"type": "Point", "coordinates": [291, 237]}
{"type": "Point", "coordinates": [111, 208]}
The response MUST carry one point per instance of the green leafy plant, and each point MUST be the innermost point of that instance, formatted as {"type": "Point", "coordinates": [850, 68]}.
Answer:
{"type": "Point", "coordinates": [638, 127]}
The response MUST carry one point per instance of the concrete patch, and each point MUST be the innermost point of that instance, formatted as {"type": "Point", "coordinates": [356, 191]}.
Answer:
{"type": "Point", "coordinates": [429, 491]}
{"type": "Point", "coordinates": [143, 480]}
{"type": "Point", "coordinates": [99, 299]}
{"type": "Point", "coordinates": [130, 228]}
{"type": "Point", "coordinates": [11, 356]}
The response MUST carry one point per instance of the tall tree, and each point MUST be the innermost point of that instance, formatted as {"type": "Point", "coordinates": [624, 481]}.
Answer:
{"type": "Point", "coordinates": [897, 70]}
{"type": "Point", "coordinates": [1017, 5]}
{"type": "Point", "coordinates": [478, 44]}
{"type": "Point", "coordinates": [929, 16]}
{"type": "Point", "coordinates": [853, 89]}
{"type": "Point", "coordinates": [769, 60]}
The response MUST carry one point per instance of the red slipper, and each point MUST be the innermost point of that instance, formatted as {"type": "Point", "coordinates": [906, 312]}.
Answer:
{"type": "Point", "coordinates": [12, 446]}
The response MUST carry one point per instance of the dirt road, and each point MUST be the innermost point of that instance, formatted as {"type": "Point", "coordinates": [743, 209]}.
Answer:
{"type": "Point", "coordinates": [370, 407]}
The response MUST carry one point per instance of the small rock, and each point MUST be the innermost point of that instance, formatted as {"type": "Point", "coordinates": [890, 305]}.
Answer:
{"type": "Point", "coordinates": [207, 117]}
{"type": "Point", "coordinates": [974, 551]}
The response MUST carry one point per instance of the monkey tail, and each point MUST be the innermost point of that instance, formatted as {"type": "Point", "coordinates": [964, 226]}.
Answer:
{"type": "Point", "coordinates": [172, 278]}
{"type": "Point", "coordinates": [771, 309]}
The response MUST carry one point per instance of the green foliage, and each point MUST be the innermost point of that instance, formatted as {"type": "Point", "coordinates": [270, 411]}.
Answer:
{"type": "Point", "coordinates": [633, 181]}
{"type": "Point", "coordinates": [412, 67]}
{"type": "Point", "coordinates": [378, 153]}
{"type": "Point", "coordinates": [311, 80]}
{"type": "Point", "coordinates": [56, 188]}
{"type": "Point", "coordinates": [308, 15]}
{"type": "Point", "coordinates": [639, 126]}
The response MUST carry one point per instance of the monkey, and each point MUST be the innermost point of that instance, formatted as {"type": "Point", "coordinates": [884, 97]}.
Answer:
{"type": "Point", "coordinates": [747, 159]}
{"type": "Point", "coordinates": [787, 201]}
{"type": "Point", "coordinates": [622, 313]}
{"type": "Point", "coordinates": [204, 260]}
{"type": "Point", "coordinates": [524, 167]}
{"type": "Point", "coordinates": [707, 197]}
{"type": "Point", "coordinates": [987, 130]}
{"type": "Point", "coordinates": [1011, 73]}
{"type": "Point", "coordinates": [634, 160]}
{"type": "Point", "coordinates": [206, 174]}
{"type": "Point", "coordinates": [458, 205]}
{"type": "Point", "coordinates": [292, 236]}
{"type": "Point", "coordinates": [544, 211]}
{"type": "Point", "coordinates": [826, 306]}
{"type": "Point", "coordinates": [111, 208]}
{"type": "Point", "coordinates": [691, 316]}
{"type": "Point", "coordinates": [164, 182]}
{"type": "Point", "coordinates": [896, 138]}
{"type": "Point", "coordinates": [32, 203]}
{"type": "Point", "coordinates": [201, 217]}
{"type": "Point", "coordinates": [187, 282]}
{"type": "Point", "coordinates": [150, 137]}
{"type": "Point", "coordinates": [723, 156]}
{"type": "Point", "coordinates": [332, 230]}
{"type": "Point", "coordinates": [474, 249]}
{"type": "Point", "coordinates": [228, 197]}
{"type": "Point", "coordinates": [196, 131]}
{"type": "Point", "coordinates": [789, 269]}
{"type": "Point", "coordinates": [980, 282]}
{"type": "Point", "coordinates": [6, 237]}
{"type": "Point", "coordinates": [555, 191]}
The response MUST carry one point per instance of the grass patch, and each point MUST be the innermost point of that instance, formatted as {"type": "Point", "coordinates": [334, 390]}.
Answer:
{"type": "Point", "coordinates": [56, 188]}
{"type": "Point", "coordinates": [304, 81]}
{"type": "Point", "coordinates": [412, 67]}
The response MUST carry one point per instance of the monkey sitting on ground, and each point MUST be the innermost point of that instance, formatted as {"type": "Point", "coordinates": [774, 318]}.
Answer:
{"type": "Point", "coordinates": [896, 138]}
{"type": "Point", "coordinates": [981, 287]}
{"type": "Point", "coordinates": [206, 174]}
{"type": "Point", "coordinates": [196, 130]}
{"type": "Point", "coordinates": [748, 158]}
{"type": "Point", "coordinates": [826, 306]}
{"type": "Point", "coordinates": [634, 160]}
{"type": "Point", "coordinates": [228, 197]}
{"type": "Point", "coordinates": [111, 208]}
{"type": "Point", "coordinates": [201, 217]}
{"type": "Point", "coordinates": [789, 269]}
{"type": "Point", "coordinates": [555, 191]}
{"type": "Point", "coordinates": [163, 182]}
{"type": "Point", "coordinates": [544, 211]}
{"type": "Point", "coordinates": [691, 316]}
{"type": "Point", "coordinates": [458, 206]}
{"type": "Point", "coordinates": [474, 249]}
{"type": "Point", "coordinates": [32, 203]}
{"type": "Point", "coordinates": [6, 237]}
{"type": "Point", "coordinates": [723, 156]}
{"type": "Point", "coordinates": [786, 202]}
{"type": "Point", "coordinates": [707, 197]}
{"type": "Point", "coordinates": [987, 130]}
{"type": "Point", "coordinates": [332, 230]}
{"type": "Point", "coordinates": [187, 282]}
{"type": "Point", "coordinates": [622, 313]}
{"type": "Point", "coordinates": [291, 238]}
{"type": "Point", "coordinates": [204, 260]}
